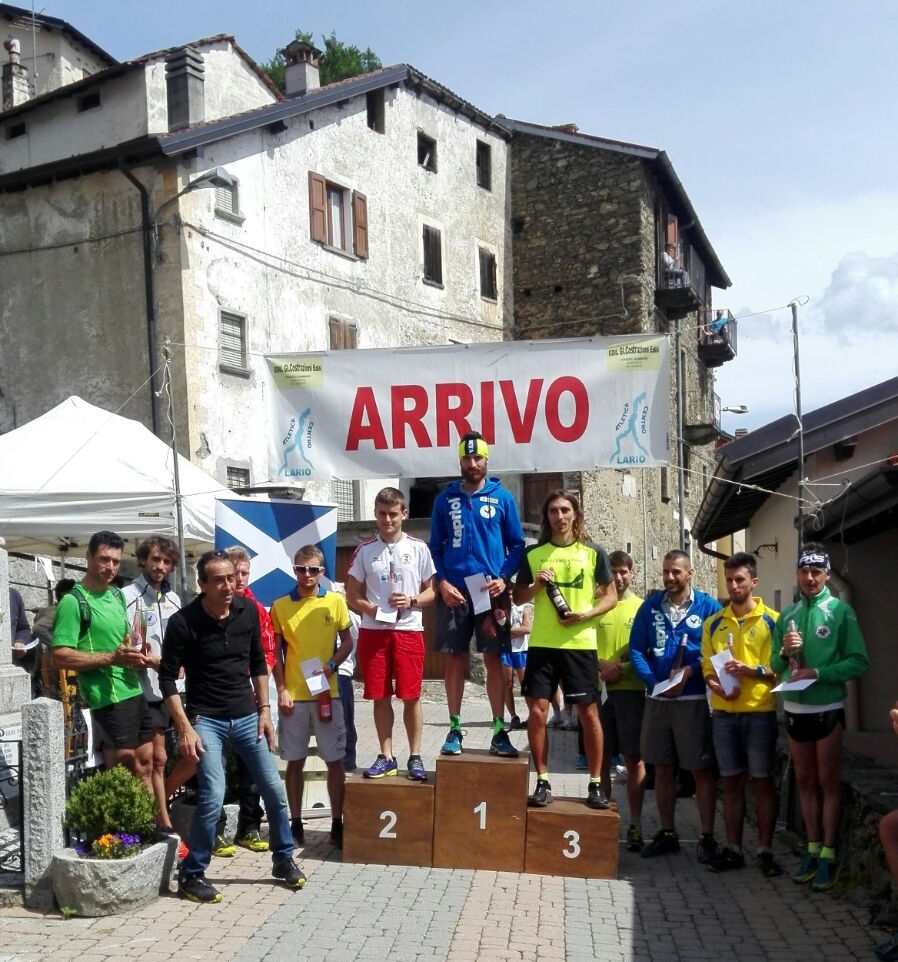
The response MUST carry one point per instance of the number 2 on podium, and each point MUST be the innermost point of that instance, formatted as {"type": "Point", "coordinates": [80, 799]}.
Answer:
{"type": "Point", "coordinates": [390, 819]}
{"type": "Point", "coordinates": [481, 811]}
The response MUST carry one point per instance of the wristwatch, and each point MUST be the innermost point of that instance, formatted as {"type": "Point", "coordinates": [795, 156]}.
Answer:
{"type": "Point", "coordinates": [761, 671]}
{"type": "Point", "coordinates": [413, 601]}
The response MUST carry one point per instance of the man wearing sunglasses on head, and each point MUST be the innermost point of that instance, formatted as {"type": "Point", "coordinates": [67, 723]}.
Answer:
{"type": "Point", "coordinates": [306, 624]}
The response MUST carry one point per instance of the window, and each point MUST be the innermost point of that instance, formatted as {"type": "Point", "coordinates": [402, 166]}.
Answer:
{"type": "Point", "coordinates": [338, 217]}
{"type": "Point", "coordinates": [342, 335]}
{"type": "Point", "coordinates": [427, 152]}
{"type": "Point", "coordinates": [687, 468]}
{"type": "Point", "coordinates": [227, 203]}
{"type": "Point", "coordinates": [433, 256]}
{"type": "Point", "coordinates": [484, 166]}
{"type": "Point", "coordinates": [665, 486]}
{"type": "Point", "coordinates": [89, 101]}
{"type": "Point", "coordinates": [488, 285]}
{"type": "Point", "coordinates": [375, 104]}
{"type": "Point", "coordinates": [232, 343]}
{"type": "Point", "coordinates": [343, 493]}
{"type": "Point", "coordinates": [15, 130]}
{"type": "Point", "coordinates": [237, 477]}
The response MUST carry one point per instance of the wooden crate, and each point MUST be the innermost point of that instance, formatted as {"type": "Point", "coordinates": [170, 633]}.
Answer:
{"type": "Point", "coordinates": [388, 821]}
{"type": "Point", "coordinates": [568, 838]}
{"type": "Point", "coordinates": [481, 811]}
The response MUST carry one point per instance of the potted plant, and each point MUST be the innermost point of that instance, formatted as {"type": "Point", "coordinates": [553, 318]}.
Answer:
{"type": "Point", "coordinates": [118, 864]}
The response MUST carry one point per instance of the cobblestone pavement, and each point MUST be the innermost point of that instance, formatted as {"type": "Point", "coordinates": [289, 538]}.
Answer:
{"type": "Point", "coordinates": [663, 909]}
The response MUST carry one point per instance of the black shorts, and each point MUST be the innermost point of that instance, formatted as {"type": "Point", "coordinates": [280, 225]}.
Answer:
{"type": "Point", "coordinates": [126, 724]}
{"type": "Point", "coordinates": [812, 726]}
{"type": "Point", "coordinates": [159, 716]}
{"type": "Point", "coordinates": [577, 671]}
{"type": "Point", "coordinates": [454, 627]}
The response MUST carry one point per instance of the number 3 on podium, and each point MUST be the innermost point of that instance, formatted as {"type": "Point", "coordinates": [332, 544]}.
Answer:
{"type": "Point", "coordinates": [573, 846]}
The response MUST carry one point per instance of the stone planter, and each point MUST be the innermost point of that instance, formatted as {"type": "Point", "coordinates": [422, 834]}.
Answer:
{"type": "Point", "coordinates": [93, 887]}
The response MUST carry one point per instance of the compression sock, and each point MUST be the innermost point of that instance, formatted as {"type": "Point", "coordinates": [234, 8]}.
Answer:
{"type": "Point", "coordinates": [455, 723]}
{"type": "Point", "coordinates": [814, 848]}
{"type": "Point", "coordinates": [827, 852]}
{"type": "Point", "coordinates": [498, 725]}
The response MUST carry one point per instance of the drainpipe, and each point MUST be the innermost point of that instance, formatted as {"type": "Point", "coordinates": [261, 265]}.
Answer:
{"type": "Point", "coordinates": [853, 697]}
{"type": "Point", "coordinates": [149, 296]}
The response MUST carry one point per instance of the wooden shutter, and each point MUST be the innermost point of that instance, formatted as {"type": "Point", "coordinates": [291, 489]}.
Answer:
{"type": "Point", "coordinates": [360, 224]}
{"type": "Point", "coordinates": [673, 232]}
{"type": "Point", "coordinates": [232, 350]}
{"type": "Point", "coordinates": [318, 208]}
{"type": "Point", "coordinates": [343, 335]}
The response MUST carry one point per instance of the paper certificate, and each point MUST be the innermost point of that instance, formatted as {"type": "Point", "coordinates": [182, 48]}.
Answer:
{"type": "Point", "coordinates": [317, 683]}
{"type": "Point", "coordinates": [480, 597]}
{"type": "Point", "coordinates": [728, 682]}
{"type": "Point", "coordinates": [794, 685]}
{"type": "Point", "coordinates": [664, 686]}
{"type": "Point", "coordinates": [384, 611]}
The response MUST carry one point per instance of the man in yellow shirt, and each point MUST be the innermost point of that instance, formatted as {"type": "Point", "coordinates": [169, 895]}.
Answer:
{"type": "Point", "coordinates": [743, 711]}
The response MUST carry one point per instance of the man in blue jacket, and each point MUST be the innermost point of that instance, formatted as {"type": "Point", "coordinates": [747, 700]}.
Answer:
{"type": "Point", "coordinates": [666, 639]}
{"type": "Point", "coordinates": [475, 530]}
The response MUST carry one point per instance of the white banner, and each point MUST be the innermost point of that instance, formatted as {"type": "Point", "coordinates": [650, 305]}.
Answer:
{"type": "Point", "coordinates": [548, 406]}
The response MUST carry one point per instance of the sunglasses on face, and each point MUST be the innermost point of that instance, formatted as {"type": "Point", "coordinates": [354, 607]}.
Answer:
{"type": "Point", "coordinates": [308, 569]}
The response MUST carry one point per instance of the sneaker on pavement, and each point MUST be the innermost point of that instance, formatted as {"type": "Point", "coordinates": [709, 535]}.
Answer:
{"type": "Point", "coordinates": [824, 876]}
{"type": "Point", "coordinates": [382, 768]}
{"type": "Point", "coordinates": [706, 850]}
{"type": "Point", "coordinates": [618, 773]}
{"type": "Point", "coordinates": [288, 872]}
{"type": "Point", "coordinates": [582, 763]}
{"type": "Point", "coordinates": [223, 848]}
{"type": "Point", "coordinates": [665, 842]}
{"type": "Point", "coordinates": [297, 831]}
{"type": "Point", "coordinates": [416, 770]}
{"type": "Point", "coordinates": [807, 870]}
{"type": "Point", "coordinates": [452, 745]}
{"type": "Point", "coordinates": [595, 797]}
{"type": "Point", "coordinates": [569, 723]}
{"type": "Point", "coordinates": [195, 888]}
{"type": "Point", "coordinates": [542, 794]}
{"type": "Point", "coordinates": [888, 951]}
{"type": "Point", "coordinates": [556, 721]}
{"type": "Point", "coordinates": [725, 860]}
{"type": "Point", "coordinates": [634, 838]}
{"type": "Point", "coordinates": [515, 724]}
{"type": "Point", "coordinates": [253, 841]}
{"type": "Point", "coordinates": [501, 745]}
{"type": "Point", "coordinates": [769, 867]}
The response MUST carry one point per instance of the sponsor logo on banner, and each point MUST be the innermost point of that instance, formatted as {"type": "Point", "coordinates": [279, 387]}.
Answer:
{"type": "Point", "coordinates": [297, 447]}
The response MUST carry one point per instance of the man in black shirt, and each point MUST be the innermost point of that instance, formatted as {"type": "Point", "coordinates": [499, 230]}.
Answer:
{"type": "Point", "coordinates": [217, 640]}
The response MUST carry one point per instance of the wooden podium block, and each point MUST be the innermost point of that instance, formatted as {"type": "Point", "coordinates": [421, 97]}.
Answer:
{"type": "Point", "coordinates": [567, 838]}
{"type": "Point", "coordinates": [481, 811]}
{"type": "Point", "coordinates": [388, 821]}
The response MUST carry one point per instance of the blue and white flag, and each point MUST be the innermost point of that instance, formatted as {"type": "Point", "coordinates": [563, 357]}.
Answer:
{"type": "Point", "coordinates": [272, 532]}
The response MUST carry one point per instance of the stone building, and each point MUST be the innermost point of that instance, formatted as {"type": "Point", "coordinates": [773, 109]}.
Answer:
{"type": "Point", "coordinates": [590, 220]}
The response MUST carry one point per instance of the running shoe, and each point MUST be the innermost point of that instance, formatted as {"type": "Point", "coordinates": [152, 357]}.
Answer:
{"type": "Point", "coordinates": [515, 724]}
{"type": "Point", "coordinates": [807, 870]}
{"type": "Point", "coordinates": [726, 860]}
{"type": "Point", "coordinates": [501, 745]}
{"type": "Point", "coordinates": [569, 723]}
{"type": "Point", "coordinates": [768, 866]}
{"type": "Point", "coordinates": [706, 850]}
{"type": "Point", "coordinates": [595, 797]}
{"type": "Point", "coordinates": [556, 721]}
{"type": "Point", "coordinates": [383, 767]}
{"type": "Point", "coordinates": [634, 838]}
{"type": "Point", "coordinates": [297, 831]}
{"type": "Point", "coordinates": [542, 794]}
{"type": "Point", "coordinates": [288, 872]}
{"type": "Point", "coordinates": [223, 848]}
{"type": "Point", "coordinates": [416, 770]}
{"type": "Point", "coordinates": [253, 841]}
{"type": "Point", "coordinates": [824, 876]}
{"type": "Point", "coordinates": [452, 745]}
{"type": "Point", "coordinates": [195, 888]}
{"type": "Point", "coordinates": [665, 842]}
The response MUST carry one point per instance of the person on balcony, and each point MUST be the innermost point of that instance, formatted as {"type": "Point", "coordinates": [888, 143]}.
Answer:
{"type": "Point", "coordinates": [717, 327]}
{"type": "Point", "coordinates": [674, 275]}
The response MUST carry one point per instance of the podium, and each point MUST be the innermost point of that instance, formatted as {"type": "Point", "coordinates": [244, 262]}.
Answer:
{"type": "Point", "coordinates": [568, 838]}
{"type": "Point", "coordinates": [388, 821]}
{"type": "Point", "coordinates": [480, 815]}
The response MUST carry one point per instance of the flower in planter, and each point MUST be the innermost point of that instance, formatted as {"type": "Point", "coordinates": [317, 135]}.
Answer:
{"type": "Point", "coordinates": [111, 845]}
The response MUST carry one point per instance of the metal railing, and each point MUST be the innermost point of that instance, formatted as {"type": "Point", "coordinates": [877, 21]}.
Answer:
{"type": "Point", "coordinates": [12, 844]}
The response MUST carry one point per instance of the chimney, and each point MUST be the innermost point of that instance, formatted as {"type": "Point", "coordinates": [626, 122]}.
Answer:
{"type": "Point", "coordinates": [301, 71]}
{"type": "Point", "coordinates": [16, 88]}
{"type": "Point", "coordinates": [740, 432]}
{"type": "Point", "coordinates": [185, 88]}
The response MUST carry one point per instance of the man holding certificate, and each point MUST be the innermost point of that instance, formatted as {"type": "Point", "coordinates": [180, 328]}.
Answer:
{"type": "Point", "coordinates": [736, 664]}
{"type": "Point", "coordinates": [307, 622]}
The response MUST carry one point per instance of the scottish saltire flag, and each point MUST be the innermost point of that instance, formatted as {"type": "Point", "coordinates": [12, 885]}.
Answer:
{"type": "Point", "coordinates": [272, 531]}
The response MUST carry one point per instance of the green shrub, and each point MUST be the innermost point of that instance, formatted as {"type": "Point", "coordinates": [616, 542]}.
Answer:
{"type": "Point", "coordinates": [112, 801]}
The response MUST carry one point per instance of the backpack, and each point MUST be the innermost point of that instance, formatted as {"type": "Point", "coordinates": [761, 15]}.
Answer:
{"type": "Point", "coordinates": [84, 608]}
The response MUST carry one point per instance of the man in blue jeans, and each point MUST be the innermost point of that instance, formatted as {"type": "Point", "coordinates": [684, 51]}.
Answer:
{"type": "Point", "coordinates": [217, 640]}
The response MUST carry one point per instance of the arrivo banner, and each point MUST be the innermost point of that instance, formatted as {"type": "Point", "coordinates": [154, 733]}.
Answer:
{"type": "Point", "coordinates": [555, 405]}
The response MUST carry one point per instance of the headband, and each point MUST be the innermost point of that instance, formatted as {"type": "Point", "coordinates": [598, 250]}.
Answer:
{"type": "Point", "coordinates": [811, 558]}
{"type": "Point", "coordinates": [473, 445]}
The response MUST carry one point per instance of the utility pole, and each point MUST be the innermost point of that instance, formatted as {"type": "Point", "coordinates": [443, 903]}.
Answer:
{"type": "Point", "coordinates": [681, 471]}
{"type": "Point", "coordinates": [794, 306]}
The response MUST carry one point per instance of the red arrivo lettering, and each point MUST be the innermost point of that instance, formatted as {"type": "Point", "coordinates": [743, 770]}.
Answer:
{"type": "Point", "coordinates": [408, 404]}
{"type": "Point", "coordinates": [488, 411]}
{"type": "Point", "coordinates": [575, 430]}
{"type": "Point", "coordinates": [456, 414]}
{"type": "Point", "coordinates": [364, 422]}
{"type": "Point", "coordinates": [521, 424]}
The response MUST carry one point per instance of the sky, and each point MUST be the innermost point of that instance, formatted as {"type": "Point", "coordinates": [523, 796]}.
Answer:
{"type": "Point", "coordinates": [779, 118]}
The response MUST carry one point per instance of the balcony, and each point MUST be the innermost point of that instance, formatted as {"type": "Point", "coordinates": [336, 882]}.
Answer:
{"type": "Point", "coordinates": [716, 338]}
{"type": "Point", "coordinates": [681, 282]}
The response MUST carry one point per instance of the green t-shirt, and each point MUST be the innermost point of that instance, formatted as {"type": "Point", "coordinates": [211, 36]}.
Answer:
{"type": "Point", "coordinates": [613, 641]}
{"type": "Point", "coordinates": [578, 568]}
{"type": "Point", "coordinates": [108, 626]}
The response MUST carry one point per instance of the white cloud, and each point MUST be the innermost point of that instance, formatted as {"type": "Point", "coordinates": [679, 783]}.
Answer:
{"type": "Point", "coordinates": [861, 301]}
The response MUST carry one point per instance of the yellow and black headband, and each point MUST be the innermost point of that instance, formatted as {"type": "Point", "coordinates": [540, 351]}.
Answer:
{"type": "Point", "coordinates": [471, 444]}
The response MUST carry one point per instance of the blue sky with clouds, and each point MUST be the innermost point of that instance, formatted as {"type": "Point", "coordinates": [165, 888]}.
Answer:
{"type": "Point", "coordinates": [779, 118]}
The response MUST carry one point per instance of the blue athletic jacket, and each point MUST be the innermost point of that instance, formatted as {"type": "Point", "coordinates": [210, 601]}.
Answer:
{"type": "Point", "coordinates": [654, 641]}
{"type": "Point", "coordinates": [474, 533]}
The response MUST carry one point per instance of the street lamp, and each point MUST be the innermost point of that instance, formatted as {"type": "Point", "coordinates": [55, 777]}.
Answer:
{"type": "Point", "coordinates": [217, 177]}
{"type": "Point", "coordinates": [736, 409]}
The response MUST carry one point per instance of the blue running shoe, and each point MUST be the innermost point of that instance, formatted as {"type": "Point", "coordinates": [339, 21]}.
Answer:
{"type": "Point", "coordinates": [381, 768]}
{"type": "Point", "coordinates": [452, 745]}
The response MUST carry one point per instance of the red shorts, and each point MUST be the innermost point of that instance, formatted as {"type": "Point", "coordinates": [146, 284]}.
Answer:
{"type": "Point", "coordinates": [385, 655]}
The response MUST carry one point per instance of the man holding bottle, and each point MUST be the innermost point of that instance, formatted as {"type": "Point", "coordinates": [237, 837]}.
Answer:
{"type": "Point", "coordinates": [307, 622]}
{"type": "Point", "coordinates": [571, 585]}
{"type": "Point", "coordinates": [666, 644]}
